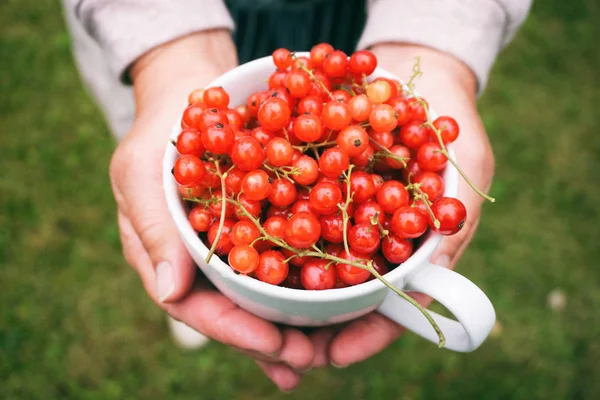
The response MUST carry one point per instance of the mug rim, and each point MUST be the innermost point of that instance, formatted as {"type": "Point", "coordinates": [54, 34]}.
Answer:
{"type": "Point", "coordinates": [176, 208]}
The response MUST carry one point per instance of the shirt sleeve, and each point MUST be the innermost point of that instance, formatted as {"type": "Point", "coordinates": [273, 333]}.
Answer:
{"type": "Point", "coordinates": [474, 31]}
{"type": "Point", "coordinates": [126, 29]}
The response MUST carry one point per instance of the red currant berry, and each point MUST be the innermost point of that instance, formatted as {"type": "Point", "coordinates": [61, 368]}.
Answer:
{"type": "Point", "coordinates": [392, 195]}
{"type": "Point", "coordinates": [364, 238]}
{"type": "Point", "coordinates": [306, 170]}
{"type": "Point", "coordinates": [189, 142]}
{"type": "Point", "coordinates": [448, 128]}
{"type": "Point", "coordinates": [396, 249]}
{"type": "Point", "coordinates": [409, 222]}
{"type": "Point", "coordinates": [336, 116]}
{"type": "Point", "coordinates": [333, 162]}
{"type": "Point", "coordinates": [283, 193]}
{"type": "Point", "coordinates": [272, 267]}
{"type": "Point", "coordinates": [383, 118]}
{"type": "Point", "coordinates": [362, 62]}
{"type": "Point", "coordinates": [308, 128]}
{"type": "Point", "coordinates": [332, 227]}
{"type": "Point", "coordinates": [349, 274]}
{"type": "Point", "coordinates": [360, 107]}
{"type": "Point", "coordinates": [243, 259]}
{"type": "Point", "coordinates": [274, 114]}
{"type": "Point", "coordinates": [247, 154]}
{"type": "Point", "coordinates": [282, 58]}
{"type": "Point", "coordinates": [189, 170]}
{"type": "Point", "coordinates": [224, 244]}
{"type": "Point", "coordinates": [302, 230]}
{"type": "Point", "coordinates": [324, 197]}
{"type": "Point", "coordinates": [414, 134]}
{"type": "Point", "coordinates": [200, 219]}
{"type": "Point", "coordinates": [430, 183]}
{"type": "Point", "coordinates": [353, 140]}
{"type": "Point", "coordinates": [218, 138]}
{"type": "Point", "coordinates": [256, 185]}
{"type": "Point", "coordinates": [335, 64]}
{"type": "Point", "coordinates": [451, 213]}
{"type": "Point", "coordinates": [216, 97]}
{"type": "Point", "coordinates": [318, 274]}
{"type": "Point", "coordinates": [430, 157]}
{"type": "Point", "coordinates": [318, 54]}
{"type": "Point", "coordinates": [361, 186]}
{"type": "Point", "coordinates": [244, 233]}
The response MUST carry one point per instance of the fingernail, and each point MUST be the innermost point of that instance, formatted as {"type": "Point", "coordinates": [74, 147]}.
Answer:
{"type": "Point", "coordinates": [338, 366]}
{"type": "Point", "coordinates": [165, 283]}
{"type": "Point", "coordinates": [443, 261]}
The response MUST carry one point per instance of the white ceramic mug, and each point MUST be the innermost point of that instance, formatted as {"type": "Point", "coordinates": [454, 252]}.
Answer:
{"type": "Point", "coordinates": [474, 312]}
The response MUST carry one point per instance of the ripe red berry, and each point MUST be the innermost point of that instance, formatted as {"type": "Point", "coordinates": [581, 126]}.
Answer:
{"type": "Point", "coordinates": [272, 267]}
{"type": "Point", "coordinates": [302, 230]}
{"type": "Point", "coordinates": [256, 185]}
{"type": "Point", "coordinates": [279, 152]}
{"type": "Point", "coordinates": [210, 117]}
{"type": "Point", "coordinates": [318, 54]}
{"type": "Point", "coordinates": [391, 196]}
{"type": "Point", "coordinates": [364, 238]}
{"type": "Point", "coordinates": [318, 274]}
{"type": "Point", "coordinates": [189, 142]}
{"type": "Point", "coordinates": [308, 128]}
{"type": "Point", "coordinates": [200, 219]}
{"type": "Point", "coordinates": [247, 154]}
{"type": "Point", "coordinates": [360, 107]}
{"type": "Point", "coordinates": [396, 249]}
{"type": "Point", "coordinates": [430, 183]}
{"type": "Point", "coordinates": [218, 138]}
{"type": "Point", "coordinates": [244, 233]}
{"type": "Point", "coordinates": [401, 157]}
{"type": "Point", "coordinates": [310, 105]}
{"type": "Point", "coordinates": [216, 97]}
{"type": "Point", "coordinates": [402, 109]}
{"type": "Point", "coordinates": [349, 274]}
{"type": "Point", "coordinates": [383, 118]}
{"type": "Point", "coordinates": [189, 170]}
{"type": "Point", "coordinates": [336, 115]}
{"type": "Point", "coordinates": [333, 162]}
{"type": "Point", "coordinates": [418, 109]}
{"type": "Point", "coordinates": [274, 114]}
{"type": "Point", "coordinates": [225, 243]}
{"type": "Point", "coordinates": [335, 64]}
{"type": "Point", "coordinates": [379, 92]}
{"type": "Point", "coordinates": [306, 170]}
{"type": "Point", "coordinates": [362, 62]}
{"type": "Point", "coordinates": [361, 186]}
{"type": "Point", "coordinates": [353, 140]}
{"type": "Point", "coordinates": [366, 211]}
{"type": "Point", "coordinates": [243, 259]}
{"type": "Point", "coordinates": [283, 193]}
{"type": "Point", "coordinates": [451, 213]}
{"type": "Point", "coordinates": [324, 197]}
{"type": "Point", "coordinates": [414, 134]}
{"type": "Point", "coordinates": [409, 222]}
{"type": "Point", "coordinates": [275, 226]}
{"type": "Point", "coordinates": [430, 157]}
{"type": "Point", "coordinates": [297, 83]}
{"type": "Point", "coordinates": [233, 181]}
{"type": "Point", "coordinates": [448, 128]}
{"type": "Point", "coordinates": [332, 227]}
{"type": "Point", "coordinates": [282, 58]}
{"type": "Point", "coordinates": [192, 116]}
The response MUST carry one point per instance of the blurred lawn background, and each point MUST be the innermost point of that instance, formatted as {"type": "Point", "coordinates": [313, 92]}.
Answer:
{"type": "Point", "coordinates": [75, 322]}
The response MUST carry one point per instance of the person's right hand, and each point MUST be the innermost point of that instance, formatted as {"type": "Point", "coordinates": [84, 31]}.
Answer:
{"type": "Point", "coordinates": [151, 244]}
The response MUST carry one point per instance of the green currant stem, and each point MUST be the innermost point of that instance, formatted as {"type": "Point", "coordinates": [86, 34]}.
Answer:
{"type": "Point", "coordinates": [173, 142]}
{"type": "Point", "coordinates": [313, 77]}
{"type": "Point", "coordinates": [345, 216]}
{"type": "Point", "coordinates": [316, 153]}
{"type": "Point", "coordinates": [222, 218]}
{"type": "Point", "coordinates": [412, 301]}
{"type": "Point", "coordinates": [387, 153]}
{"type": "Point", "coordinates": [314, 145]}
{"type": "Point", "coordinates": [429, 123]}
{"type": "Point", "coordinates": [285, 171]}
{"type": "Point", "coordinates": [419, 194]}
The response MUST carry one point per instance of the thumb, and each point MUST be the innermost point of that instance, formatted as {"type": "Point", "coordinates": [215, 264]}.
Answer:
{"type": "Point", "coordinates": [137, 183]}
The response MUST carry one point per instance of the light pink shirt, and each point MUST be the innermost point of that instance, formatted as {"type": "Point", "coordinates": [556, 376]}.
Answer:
{"type": "Point", "coordinates": [109, 35]}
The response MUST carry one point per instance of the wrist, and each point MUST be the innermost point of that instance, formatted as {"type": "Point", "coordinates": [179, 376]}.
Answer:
{"type": "Point", "coordinates": [170, 71]}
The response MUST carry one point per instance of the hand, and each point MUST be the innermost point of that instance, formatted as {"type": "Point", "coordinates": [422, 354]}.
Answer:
{"type": "Point", "coordinates": [151, 245]}
{"type": "Point", "coordinates": [450, 87]}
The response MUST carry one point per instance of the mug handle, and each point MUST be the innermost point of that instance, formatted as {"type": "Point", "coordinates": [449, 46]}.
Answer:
{"type": "Point", "coordinates": [473, 310]}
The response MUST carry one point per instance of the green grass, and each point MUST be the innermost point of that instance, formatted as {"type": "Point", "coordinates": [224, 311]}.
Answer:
{"type": "Point", "coordinates": [75, 322]}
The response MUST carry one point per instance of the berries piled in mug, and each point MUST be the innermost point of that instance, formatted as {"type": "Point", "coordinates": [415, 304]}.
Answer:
{"type": "Point", "coordinates": [323, 180]}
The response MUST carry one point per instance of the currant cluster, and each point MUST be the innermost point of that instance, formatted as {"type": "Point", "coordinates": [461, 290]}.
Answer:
{"type": "Point", "coordinates": [326, 170]}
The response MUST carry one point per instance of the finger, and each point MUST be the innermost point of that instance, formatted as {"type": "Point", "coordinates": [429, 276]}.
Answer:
{"type": "Point", "coordinates": [362, 339]}
{"type": "Point", "coordinates": [297, 350]}
{"type": "Point", "coordinates": [138, 190]}
{"type": "Point", "coordinates": [215, 316]}
{"type": "Point", "coordinates": [320, 340]}
{"type": "Point", "coordinates": [281, 375]}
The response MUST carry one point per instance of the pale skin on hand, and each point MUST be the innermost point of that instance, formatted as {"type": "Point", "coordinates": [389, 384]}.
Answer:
{"type": "Point", "coordinates": [162, 80]}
